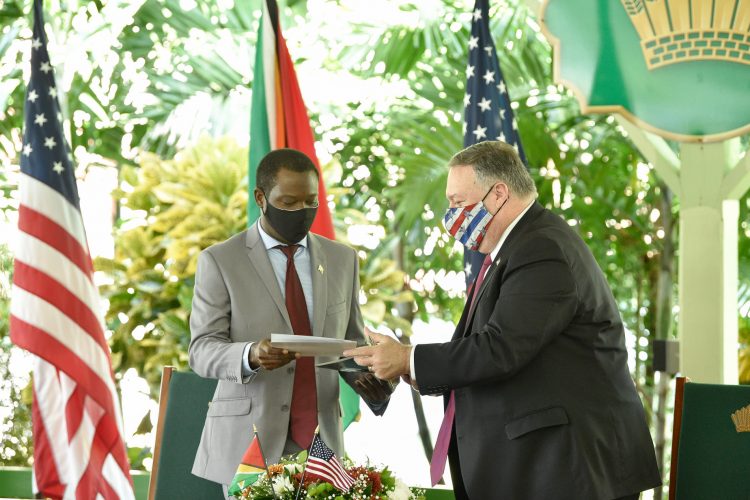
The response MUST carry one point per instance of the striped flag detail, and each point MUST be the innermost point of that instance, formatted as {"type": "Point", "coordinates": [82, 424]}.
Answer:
{"type": "Point", "coordinates": [488, 114]}
{"type": "Point", "coordinates": [322, 463]}
{"type": "Point", "coordinates": [79, 451]}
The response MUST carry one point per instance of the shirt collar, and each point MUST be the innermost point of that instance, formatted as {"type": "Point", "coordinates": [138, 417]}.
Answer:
{"type": "Point", "coordinates": [271, 242]}
{"type": "Point", "coordinates": [496, 250]}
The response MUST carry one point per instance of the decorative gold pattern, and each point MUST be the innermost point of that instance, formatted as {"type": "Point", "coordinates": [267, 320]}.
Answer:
{"type": "Point", "coordinates": [741, 419]}
{"type": "Point", "coordinates": [673, 31]}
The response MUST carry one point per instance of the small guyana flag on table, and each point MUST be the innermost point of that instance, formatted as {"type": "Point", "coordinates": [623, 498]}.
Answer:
{"type": "Point", "coordinates": [253, 464]}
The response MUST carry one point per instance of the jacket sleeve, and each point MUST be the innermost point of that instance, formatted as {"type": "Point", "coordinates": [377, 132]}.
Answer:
{"type": "Point", "coordinates": [212, 353]}
{"type": "Point", "coordinates": [536, 303]}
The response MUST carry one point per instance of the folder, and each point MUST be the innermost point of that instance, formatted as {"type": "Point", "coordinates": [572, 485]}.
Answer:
{"type": "Point", "coordinates": [307, 345]}
{"type": "Point", "coordinates": [343, 365]}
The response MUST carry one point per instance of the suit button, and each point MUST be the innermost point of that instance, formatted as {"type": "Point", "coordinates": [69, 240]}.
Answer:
{"type": "Point", "coordinates": [285, 408]}
{"type": "Point", "coordinates": [290, 370]}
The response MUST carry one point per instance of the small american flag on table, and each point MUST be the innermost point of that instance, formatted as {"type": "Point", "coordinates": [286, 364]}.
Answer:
{"type": "Point", "coordinates": [323, 464]}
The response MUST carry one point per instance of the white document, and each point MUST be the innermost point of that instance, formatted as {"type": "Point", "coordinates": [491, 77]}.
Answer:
{"type": "Point", "coordinates": [308, 345]}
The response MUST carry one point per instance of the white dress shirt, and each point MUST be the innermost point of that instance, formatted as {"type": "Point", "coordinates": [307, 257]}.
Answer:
{"type": "Point", "coordinates": [493, 255]}
{"type": "Point", "coordinates": [278, 262]}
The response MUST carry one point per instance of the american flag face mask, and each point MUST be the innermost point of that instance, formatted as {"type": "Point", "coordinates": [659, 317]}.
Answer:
{"type": "Point", "coordinates": [469, 224]}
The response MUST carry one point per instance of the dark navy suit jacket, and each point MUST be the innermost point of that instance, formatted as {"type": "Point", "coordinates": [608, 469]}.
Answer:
{"type": "Point", "coordinates": [545, 404]}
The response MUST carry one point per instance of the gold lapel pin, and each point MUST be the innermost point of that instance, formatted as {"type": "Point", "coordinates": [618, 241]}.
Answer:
{"type": "Point", "coordinates": [320, 269]}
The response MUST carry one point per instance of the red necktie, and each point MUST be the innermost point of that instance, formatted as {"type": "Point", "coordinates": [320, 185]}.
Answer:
{"type": "Point", "coordinates": [440, 455]}
{"type": "Point", "coordinates": [304, 408]}
{"type": "Point", "coordinates": [486, 263]}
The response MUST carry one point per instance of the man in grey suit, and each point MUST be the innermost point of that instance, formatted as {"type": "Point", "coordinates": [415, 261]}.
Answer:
{"type": "Point", "coordinates": [275, 277]}
{"type": "Point", "coordinates": [539, 400]}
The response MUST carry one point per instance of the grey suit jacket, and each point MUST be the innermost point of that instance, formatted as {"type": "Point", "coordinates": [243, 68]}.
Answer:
{"type": "Point", "coordinates": [237, 300]}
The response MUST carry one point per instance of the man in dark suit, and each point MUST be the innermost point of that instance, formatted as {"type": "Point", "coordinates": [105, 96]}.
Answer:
{"type": "Point", "coordinates": [539, 400]}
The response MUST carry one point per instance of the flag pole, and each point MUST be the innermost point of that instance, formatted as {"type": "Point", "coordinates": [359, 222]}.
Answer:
{"type": "Point", "coordinates": [307, 459]}
{"type": "Point", "coordinates": [265, 462]}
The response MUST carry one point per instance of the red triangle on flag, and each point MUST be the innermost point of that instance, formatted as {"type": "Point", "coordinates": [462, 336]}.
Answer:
{"type": "Point", "coordinates": [253, 456]}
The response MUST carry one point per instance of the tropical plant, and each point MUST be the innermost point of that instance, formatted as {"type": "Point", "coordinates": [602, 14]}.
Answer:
{"type": "Point", "coordinates": [177, 207]}
{"type": "Point", "coordinates": [135, 72]}
{"type": "Point", "coordinates": [15, 386]}
{"type": "Point", "coordinates": [130, 72]}
{"type": "Point", "coordinates": [744, 289]}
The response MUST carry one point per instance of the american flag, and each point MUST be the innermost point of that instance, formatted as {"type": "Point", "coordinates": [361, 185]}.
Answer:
{"type": "Point", "coordinates": [323, 464]}
{"type": "Point", "coordinates": [488, 115]}
{"type": "Point", "coordinates": [78, 446]}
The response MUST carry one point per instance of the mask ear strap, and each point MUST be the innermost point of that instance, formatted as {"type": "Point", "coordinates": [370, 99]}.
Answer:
{"type": "Point", "coordinates": [488, 192]}
{"type": "Point", "coordinates": [265, 198]}
{"type": "Point", "coordinates": [501, 206]}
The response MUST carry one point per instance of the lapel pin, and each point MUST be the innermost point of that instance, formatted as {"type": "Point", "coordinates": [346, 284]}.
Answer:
{"type": "Point", "coordinates": [320, 269]}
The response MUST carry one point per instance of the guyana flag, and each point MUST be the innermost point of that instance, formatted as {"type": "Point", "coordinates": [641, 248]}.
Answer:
{"type": "Point", "coordinates": [279, 120]}
{"type": "Point", "coordinates": [252, 466]}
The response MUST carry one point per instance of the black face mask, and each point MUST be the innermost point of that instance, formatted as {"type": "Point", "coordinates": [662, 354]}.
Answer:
{"type": "Point", "coordinates": [292, 225]}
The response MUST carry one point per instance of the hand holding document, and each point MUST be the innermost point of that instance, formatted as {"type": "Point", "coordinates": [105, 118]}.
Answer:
{"type": "Point", "coordinates": [306, 345]}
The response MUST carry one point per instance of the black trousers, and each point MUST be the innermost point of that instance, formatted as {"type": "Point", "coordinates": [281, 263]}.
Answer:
{"type": "Point", "coordinates": [459, 490]}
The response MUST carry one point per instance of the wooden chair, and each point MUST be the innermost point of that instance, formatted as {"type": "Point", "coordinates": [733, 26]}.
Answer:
{"type": "Point", "coordinates": [183, 404]}
{"type": "Point", "coordinates": [710, 442]}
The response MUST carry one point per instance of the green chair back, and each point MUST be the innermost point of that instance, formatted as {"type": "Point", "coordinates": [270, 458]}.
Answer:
{"type": "Point", "coordinates": [713, 458]}
{"type": "Point", "coordinates": [181, 425]}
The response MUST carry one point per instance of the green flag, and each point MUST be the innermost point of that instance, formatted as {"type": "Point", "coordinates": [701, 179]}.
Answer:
{"type": "Point", "coordinates": [278, 119]}
{"type": "Point", "coordinates": [249, 470]}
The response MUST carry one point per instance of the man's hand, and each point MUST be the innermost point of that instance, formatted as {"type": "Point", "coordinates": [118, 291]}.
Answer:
{"type": "Point", "coordinates": [372, 389]}
{"type": "Point", "coordinates": [264, 355]}
{"type": "Point", "coordinates": [387, 358]}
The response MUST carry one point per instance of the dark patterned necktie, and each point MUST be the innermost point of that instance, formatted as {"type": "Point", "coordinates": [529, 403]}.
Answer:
{"type": "Point", "coordinates": [304, 408]}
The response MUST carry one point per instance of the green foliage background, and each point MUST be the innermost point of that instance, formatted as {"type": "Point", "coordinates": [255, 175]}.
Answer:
{"type": "Point", "coordinates": [15, 428]}
{"type": "Point", "coordinates": [131, 99]}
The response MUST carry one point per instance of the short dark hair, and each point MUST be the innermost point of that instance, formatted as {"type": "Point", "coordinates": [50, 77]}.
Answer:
{"type": "Point", "coordinates": [495, 161]}
{"type": "Point", "coordinates": [290, 159]}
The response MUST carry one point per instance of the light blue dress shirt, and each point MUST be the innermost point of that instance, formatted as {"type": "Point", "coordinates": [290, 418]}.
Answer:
{"type": "Point", "coordinates": [278, 260]}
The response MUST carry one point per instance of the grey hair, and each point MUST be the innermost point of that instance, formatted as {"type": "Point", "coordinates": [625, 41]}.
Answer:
{"type": "Point", "coordinates": [496, 161]}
